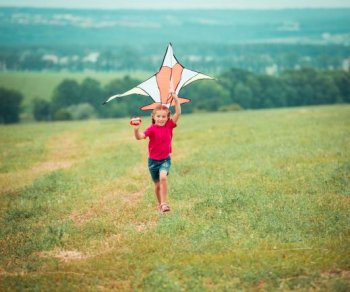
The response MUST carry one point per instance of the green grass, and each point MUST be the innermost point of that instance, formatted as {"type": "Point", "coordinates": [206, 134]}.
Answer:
{"type": "Point", "coordinates": [260, 201]}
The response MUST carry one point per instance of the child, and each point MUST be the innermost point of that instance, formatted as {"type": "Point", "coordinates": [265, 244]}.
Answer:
{"type": "Point", "coordinates": [160, 134]}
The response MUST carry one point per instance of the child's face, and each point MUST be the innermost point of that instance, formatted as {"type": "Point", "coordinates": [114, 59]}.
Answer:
{"type": "Point", "coordinates": [160, 117]}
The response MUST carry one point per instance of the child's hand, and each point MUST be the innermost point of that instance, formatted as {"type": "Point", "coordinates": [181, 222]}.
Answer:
{"type": "Point", "coordinates": [174, 95]}
{"type": "Point", "coordinates": [136, 122]}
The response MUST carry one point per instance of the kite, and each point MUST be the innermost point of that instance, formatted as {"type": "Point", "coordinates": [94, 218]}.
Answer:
{"type": "Point", "coordinates": [171, 77]}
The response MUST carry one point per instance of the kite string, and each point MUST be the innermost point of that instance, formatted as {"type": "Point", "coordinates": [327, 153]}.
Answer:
{"type": "Point", "coordinates": [171, 89]}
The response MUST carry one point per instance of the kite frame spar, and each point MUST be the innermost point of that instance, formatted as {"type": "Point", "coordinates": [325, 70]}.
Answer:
{"type": "Point", "coordinates": [172, 76]}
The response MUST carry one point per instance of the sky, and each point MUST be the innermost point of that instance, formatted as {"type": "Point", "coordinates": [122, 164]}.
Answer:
{"type": "Point", "coordinates": [177, 4]}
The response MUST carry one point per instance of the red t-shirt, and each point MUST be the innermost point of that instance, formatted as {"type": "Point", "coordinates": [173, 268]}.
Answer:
{"type": "Point", "coordinates": [159, 146]}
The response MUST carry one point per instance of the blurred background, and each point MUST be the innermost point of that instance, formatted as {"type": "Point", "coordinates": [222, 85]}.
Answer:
{"type": "Point", "coordinates": [59, 60]}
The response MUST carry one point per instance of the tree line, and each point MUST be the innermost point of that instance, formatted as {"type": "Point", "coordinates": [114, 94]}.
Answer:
{"type": "Point", "coordinates": [232, 90]}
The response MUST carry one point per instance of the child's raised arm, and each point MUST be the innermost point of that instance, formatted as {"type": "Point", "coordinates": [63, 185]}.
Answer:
{"type": "Point", "coordinates": [137, 133]}
{"type": "Point", "coordinates": [177, 114]}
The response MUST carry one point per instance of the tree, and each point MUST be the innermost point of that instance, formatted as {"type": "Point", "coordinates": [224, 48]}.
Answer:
{"type": "Point", "coordinates": [254, 85]}
{"type": "Point", "coordinates": [205, 96]}
{"type": "Point", "coordinates": [10, 102]}
{"type": "Point", "coordinates": [243, 95]}
{"type": "Point", "coordinates": [326, 91]}
{"type": "Point", "coordinates": [66, 93]}
{"type": "Point", "coordinates": [91, 92]}
{"type": "Point", "coordinates": [62, 114]}
{"type": "Point", "coordinates": [81, 111]}
{"type": "Point", "coordinates": [231, 78]}
{"type": "Point", "coordinates": [128, 105]}
{"type": "Point", "coordinates": [41, 109]}
{"type": "Point", "coordinates": [312, 87]}
{"type": "Point", "coordinates": [273, 92]}
{"type": "Point", "coordinates": [342, 82]}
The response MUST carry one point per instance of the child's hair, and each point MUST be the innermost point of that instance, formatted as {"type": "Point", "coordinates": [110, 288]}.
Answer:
{"type": "Point", "coordinates": [157, 108]}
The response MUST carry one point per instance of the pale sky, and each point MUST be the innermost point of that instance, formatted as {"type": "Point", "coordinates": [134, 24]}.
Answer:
{"type": "Point", "coordinates": [177, 4]}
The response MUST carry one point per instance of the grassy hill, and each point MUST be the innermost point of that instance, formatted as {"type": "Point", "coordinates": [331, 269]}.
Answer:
{"type": "Point", "coordinates": [260, 200]}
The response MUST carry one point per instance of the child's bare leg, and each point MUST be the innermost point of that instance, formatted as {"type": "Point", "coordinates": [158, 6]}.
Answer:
{"type": "Point", "coordinates": [163, 183]}
{"type": "Point", "coordinates": [157, 191]}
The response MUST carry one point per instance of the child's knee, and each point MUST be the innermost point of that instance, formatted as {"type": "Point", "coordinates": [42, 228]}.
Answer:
{"type": "Point", "coordinates": [163, 176]}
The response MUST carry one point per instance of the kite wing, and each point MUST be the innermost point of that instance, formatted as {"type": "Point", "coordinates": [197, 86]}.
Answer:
{"type": "Point", "coordinates": [140, 89]}
{"type": "Point", "coordinates": [171, 77]}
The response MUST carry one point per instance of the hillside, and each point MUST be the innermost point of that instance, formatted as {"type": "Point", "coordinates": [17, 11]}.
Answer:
{"type": "Point", "coordinates": [260, 200]}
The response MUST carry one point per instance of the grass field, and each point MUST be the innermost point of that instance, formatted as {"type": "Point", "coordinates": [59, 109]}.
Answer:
{"type": "Point", "coordinates": [260, 201]}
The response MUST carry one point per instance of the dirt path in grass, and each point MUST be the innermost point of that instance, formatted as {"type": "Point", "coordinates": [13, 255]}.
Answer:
{"type": "Point", "coordinates": [111, 192]}
{"type": "Point", "coordinates": [62, 150]}
{"type": "Point", "coordinates": [116, 204]}
{"type": "Point", "coordinates": [117, 190]}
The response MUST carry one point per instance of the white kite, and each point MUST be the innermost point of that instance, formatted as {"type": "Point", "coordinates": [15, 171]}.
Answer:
{"type": "Point", "coordinates": [171, 77]}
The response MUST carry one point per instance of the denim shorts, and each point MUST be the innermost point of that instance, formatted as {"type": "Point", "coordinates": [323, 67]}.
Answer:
{"type": "Point", "coordinates": [155, 166]}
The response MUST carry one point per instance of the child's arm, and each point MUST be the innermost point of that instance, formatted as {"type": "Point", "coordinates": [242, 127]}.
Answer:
{"type": "Point", "coordinates": [177, 114]}
{"type": "Point", "coordinates": [137, 133]}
